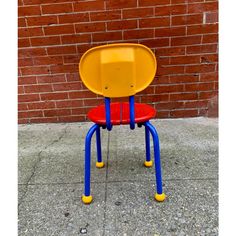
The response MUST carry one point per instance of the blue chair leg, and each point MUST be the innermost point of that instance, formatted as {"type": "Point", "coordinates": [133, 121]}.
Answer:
{"type": "Point", "coordinates": [148, 162]}
{"type": "Point", "coordinates": [99, 163]}
{"type": "Point", "coordinates": [159, 196]}
{"type": "Point", "coordinates": [87, 198]}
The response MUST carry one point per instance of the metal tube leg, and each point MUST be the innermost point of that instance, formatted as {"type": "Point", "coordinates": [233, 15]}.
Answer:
{"type": "Point", "coordinates": [159, 196]}
{"type": "Point", "coordinates": [148, 162]}
{"type": "Point", "coordinates": [99, 163]}
{"type": "Point", "coordinates": [87, 198]}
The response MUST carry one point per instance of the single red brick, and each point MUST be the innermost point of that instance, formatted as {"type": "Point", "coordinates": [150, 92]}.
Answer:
{"type": "Point", "coordinates": [187, 19]}
{"type": "Point", "coordinates": [212, 76]}
{"type": "Point", "coordinates": [45, 79]}
{"type": "Point", "coordinates": [184, 60]}
{"type": "Point", "coordinates": [170, 10]}
{"type": "Point", "coordinates": [169, 88]}
{"type": "Point", "coordinates": [184, 78]}
{"type": "Point", "coordinates": [163, 114]}
{"type": "Point", "coordinates": [64, 68]}
{"type": "Point", "coordinates": [25, 62]}
{"type": "Point", "coordinates": [199, 68]}
{"type": "Point", "coordinates": [137, 13]}
{"type": "Point", "coordinates": [207, 94]}
{"type": "Point", "coordinates": [186, 40]}
{"type": "Point", "coordinates": [153, 2]}
{"type": "Point", "coordinates": [78, 111]}
{"type": "Point", "coordinates": [139, 34]}
{"type": "Point", "coordinates": [157, 42]}
{"type": "Point", "coordinates": [29, 10]}
{"type": "Point", "coordinates": [22, 43]}
{"type": "Point", "coordinates": [44, 120]}
{"type": "Point", "coordinates": [202, 29]}
{"type": "Point", "coordinates": [210, 38]}
{"type": "Point", "coordinates": [54, 96]}
{"type": "Point", "coordinates": [84, 6]}
{"type": "Point", "coordinates": [35, 70]}
{"type": "Point", "coordinates": [184, 113]}
{"type": "Point", "coordinates": [90, 27]}
{"type": "Point", "coordinates": [41, 105]}
{"type": "Point", "coordinates": [31, 52]}
{"type": "Point", "coordinates": [38, 88]}
{"type": "Point", "coordinates": [209, 58]}
{"type": "Point", "coordinates": [27, 80]}
{"type": "Point", "coordinates": [41, 20]}
{"type": "Point", "coordinates": [82, 94]}
{"type": "Point", "coordinates": [120, 4]}
{"type": "Point", "coordinates": [72, 77]}
{"type": "Point", "coordinates": [198, 49]}
{"type": "Point", "coordinates": [61, 50]}
{"type": "Point", "coordinates": [183, 96]}
{"type": "Point", "coordinates": [60, 29]}
{"type": "Point", "coordinates": [196, 104]}
{"type": "Point", "coordinates": [170, 31]}
{"type": "Point", "coordinates": [57, 8]}
{"type": "Point", "coordinates": [122, 24]}
{"type": "Point", "coordinates": [48, 60]}
{"type": "Point", "coordinates": [28, 114]}
{"type": "Point", "coordinates": [67, 86]}
{"type": "Point", "coordinates": [71, 59]}
{"type": "Point", "coordinates": [155, 22]}
{"type": "Point", "coordinates": [82, 48]}
{"type": "Point", "coordinates": [93, 102]}
{"type": "Point", "coordinates": [170, 70]}
{"type": "Point", "coordinates": [73, 39]}
{"type": "Point", "coordinates": [72, 118]}
{"type": "Point", "coordinates": [107, 36]}
{"type": "Point", "coordinates": [21, 22]}
{"type": "Point", "coordinates": [28, 97]}
{"type": "Point", "coordinates": [169, 105]}
{"type": "Point", "coordinates": [154, 98]}
{"type": "Point", "coordinates": [73, 18]}
{"type": "Point", "coordinates": [23, 121]}
{"type": "Point", "coordinates": [170, 51]}
{"type": "Point", "coordinates": [45, 41]}
{"type": "Point", "coordinates": [211, 17]}
{"type": "Point", "coordinates": [69, 103]}
{"type": "Point", "coordinates": [30, 32]}
{"type": "Point", "coordinates": [105, 15]}
{"type": "Point", "coordinates": [22, 107]}
{"type": "Point", "coordinates": [21, 89]}
{"type": "Point", "coordinates": [57, 112]}
{"type": "Point", "coordinates": [199, 87]}
{"type": "Point", "coordinates": [202, 7]}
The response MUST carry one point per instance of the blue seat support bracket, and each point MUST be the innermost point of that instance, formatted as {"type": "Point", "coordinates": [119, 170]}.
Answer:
{"type": "Point", "coordinates": [108, 113]}
{"type": "Point", "coordinates": [132, 112]}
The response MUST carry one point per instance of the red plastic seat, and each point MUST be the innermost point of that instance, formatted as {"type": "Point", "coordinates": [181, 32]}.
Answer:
{"type": "Point", "coordinates": [120, 113]}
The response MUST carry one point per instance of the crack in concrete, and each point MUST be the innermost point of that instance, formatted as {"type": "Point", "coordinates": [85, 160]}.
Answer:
{"type": "Point", "coordinates": [40, 157]}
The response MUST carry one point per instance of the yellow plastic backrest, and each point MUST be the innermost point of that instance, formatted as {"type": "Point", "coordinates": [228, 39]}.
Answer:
{"type": "Point", "coordinates": [117, 70]}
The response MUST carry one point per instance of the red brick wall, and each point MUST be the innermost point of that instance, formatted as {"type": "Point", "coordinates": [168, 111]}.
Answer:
{"type": "Point", "coordinates": [53, 34]}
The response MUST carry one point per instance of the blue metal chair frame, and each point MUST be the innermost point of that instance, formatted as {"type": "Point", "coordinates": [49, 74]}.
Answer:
{"type": "Point", "coordinates": [149, 128]}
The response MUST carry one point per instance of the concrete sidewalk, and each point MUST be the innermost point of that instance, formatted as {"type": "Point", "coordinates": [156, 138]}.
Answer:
{"type": "Point", "coordinates": [51, 161]}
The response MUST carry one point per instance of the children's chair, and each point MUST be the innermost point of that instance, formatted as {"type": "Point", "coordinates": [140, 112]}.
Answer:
{"type": "Point", "coordinates": [114, 71]}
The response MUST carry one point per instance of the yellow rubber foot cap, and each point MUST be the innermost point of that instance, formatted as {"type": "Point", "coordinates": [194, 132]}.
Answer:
{"type": "Point", "coordinates": [160, 197]}
{"type": "Point", "coordinates": [87, 199]}
{"type": "Point", "coordinates": [148, 163]}
{"type": "Point", "coordinates": [100, 164]}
